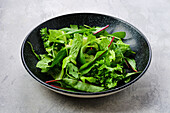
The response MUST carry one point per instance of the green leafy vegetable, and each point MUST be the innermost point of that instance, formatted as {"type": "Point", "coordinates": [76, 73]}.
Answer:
{"type": "Point", "coordinates": [84, 58]}
{"type": "Point", "coordinates": [77, 43]}
{"type": "Point", "coordinates": [78, 85]}
{"type": "Point", "coordinates": [118, 34]}
{"type": "Point", "coordinates": [43, 64]}
{"type": "Point", "coordinates": [34, 51]}
{"type": "Point", "coordinates": [73, 70]}
{"type": "Point", "coordinates": [132, 63]}
{"type": "Point", "coordinates": [59, 57]}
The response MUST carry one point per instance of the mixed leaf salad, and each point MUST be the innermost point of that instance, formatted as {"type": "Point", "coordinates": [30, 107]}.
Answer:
{"type": "Point", "coordinates": [84, 58]}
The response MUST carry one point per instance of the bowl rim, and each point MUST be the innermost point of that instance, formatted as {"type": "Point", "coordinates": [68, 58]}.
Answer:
{"type": "Point", "coordinates": [87, 93]}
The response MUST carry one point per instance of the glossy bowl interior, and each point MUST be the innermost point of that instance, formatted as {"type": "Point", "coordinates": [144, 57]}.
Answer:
{"type": "Point", "coordinates": [134, 37]}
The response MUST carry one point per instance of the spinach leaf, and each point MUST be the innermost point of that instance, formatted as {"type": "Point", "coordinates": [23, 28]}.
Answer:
{"type": "Point", "coordinates": [132, 63]}
{"type": "Point", "coordinates": [82, 86]}
{"type": "Point", "coordinates": [118, 34]}
{"type": "Point", "coordinates": [73, 70]}
{"type": "Point", "coordinates": [77, 43]}
{"type": "Point", "coordinates": [59, 57]}
{"type": "Point", "coordinates": [98, 55]}
{"type": "Point", "coordinates": [64, 64]}
{"type": "Point", "coordinates": [43, 64]}
{"type": "Point", "coordinates": [89, 79]}
{"type": "Point", "coordinates": [82, 56]}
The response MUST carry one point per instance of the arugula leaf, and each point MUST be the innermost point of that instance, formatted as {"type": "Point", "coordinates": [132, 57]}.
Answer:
{"type": "Point", "coordinates": [43, 64]}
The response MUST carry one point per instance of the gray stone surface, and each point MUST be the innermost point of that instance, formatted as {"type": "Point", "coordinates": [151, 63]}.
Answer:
{"type": "Point", "coordinates": [20, 93]}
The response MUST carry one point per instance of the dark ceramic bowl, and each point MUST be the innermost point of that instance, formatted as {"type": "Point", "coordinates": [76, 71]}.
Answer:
{"type": "Point", "coordinates": [134, 37]}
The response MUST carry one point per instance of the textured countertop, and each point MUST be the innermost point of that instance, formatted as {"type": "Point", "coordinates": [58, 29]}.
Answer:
{"type": "Point", "coordinates": [20, 93]}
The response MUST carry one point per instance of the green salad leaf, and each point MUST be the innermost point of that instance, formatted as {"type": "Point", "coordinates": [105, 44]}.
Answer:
{"type": "Point", "coordinates": [85, 58]}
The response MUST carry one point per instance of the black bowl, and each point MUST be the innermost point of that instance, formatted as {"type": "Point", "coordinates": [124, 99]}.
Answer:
{"type": "Point", "coordinates": [134, 37]}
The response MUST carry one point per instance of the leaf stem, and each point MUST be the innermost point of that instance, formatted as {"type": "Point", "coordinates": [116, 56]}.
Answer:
{"type": "Point", "coordinates": [57, 87]}
{"type": "Point", "coordinates": [111, 42]}
{"type": "Point", "coordinates": [51, 81]}
{"type": "Point", "coordinates": [101, 29]}
{"type": "Point", "coordinates": [126, 63]}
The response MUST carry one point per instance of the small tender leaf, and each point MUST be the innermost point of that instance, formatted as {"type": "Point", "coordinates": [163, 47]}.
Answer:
{"type": "Point", "coordinates": [74, 27]}
{"type": "Point", "coordinates": [34, 51]}
{"type": "Point", "coordinates": [118, 34]}
{"type": "Point", "coordinates": [122, 46]}
{"type": "Point", "coordinates": [112, 84]}
{"type": "Point", "coordinates": [129, 74]}
{"type": "Point", "coordinates": [112, 56]}
{"type": "Point", "coordinates": [43, 31]}
{"type": "Point", "coordinates": [104, 44]}
{"type": "Point", "coordinates": [127, 80]}
{"type": "Point", "coordinates": [55, 35]}
{"type": "Point", "coordinates": [119, 55]}
{"type": "Point", "coordinates": [44, 34]}
{"type": "Point", "coordinates": [132, 63]}
{"type": "Point", "coordinates": [43, 64]}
